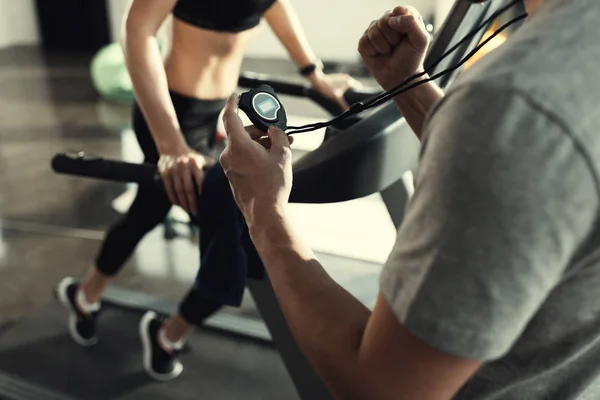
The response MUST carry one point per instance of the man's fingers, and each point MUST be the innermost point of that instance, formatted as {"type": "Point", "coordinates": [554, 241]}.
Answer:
{"type": "Point", "coordinates": [365, 47]}
{"type": "Point", "coordinates": [413, 11]}
{"type": "Point", "coordinates": [410, 26]}
{"type": "Point", "coordinates": [393, 37]}
{"type": "Point", "coordinates": [254, 132]}
{"type": "Point", "coordinates": [400, 10]}
{"type": "Point", "coordinates": [278, 138]}
{"type": "Point", "coordinates": [407, 10]}
{"type": "Point", "coordinates": [224, 159]}
{"type": "Point", "coordinates": [378, 39]}
{"type": "Point", "coordinates": [266, 141]}
{"type": "Point", "coordinates": [234, 128]}
{"type": "Point", "coordinates": [259, 136]}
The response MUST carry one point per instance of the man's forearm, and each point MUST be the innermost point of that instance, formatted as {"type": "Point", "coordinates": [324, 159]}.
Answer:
{"type": "Point", "coordinates": [326, 320]}
{"type": "Point", "coordinates": [416, 103]}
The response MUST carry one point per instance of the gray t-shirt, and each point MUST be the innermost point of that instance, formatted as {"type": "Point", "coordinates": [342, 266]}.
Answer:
{"type": "Point", "coordinates": [498, 258]}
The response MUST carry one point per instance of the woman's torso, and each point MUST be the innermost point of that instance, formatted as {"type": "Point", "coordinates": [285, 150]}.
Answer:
{"type": "Point", "coordinates": [208, 41]}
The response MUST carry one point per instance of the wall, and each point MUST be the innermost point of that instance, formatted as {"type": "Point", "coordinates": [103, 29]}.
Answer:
{"type": "Point", "coordinates": [442, 9]}
{"type": "Point", "coordinates": [333, 27]}
{"type": "Point", "coordinates": [18, 23]}
{"type": "Point", "coordinates": [116, 11]}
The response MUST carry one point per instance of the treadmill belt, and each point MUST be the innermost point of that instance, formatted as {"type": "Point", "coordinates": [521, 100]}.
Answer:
{"type": "Point", "coordinates": [40, 351]}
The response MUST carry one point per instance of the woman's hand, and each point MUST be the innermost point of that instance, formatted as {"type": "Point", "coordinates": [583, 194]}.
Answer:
{"type": "Point", "coordinates": [182, 172]}
{"type": "Point", "coordinates": [333, 86]}
{"type": "Point", "coordinates": [393, 47]}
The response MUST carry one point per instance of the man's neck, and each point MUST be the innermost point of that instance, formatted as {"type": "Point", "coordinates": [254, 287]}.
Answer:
{"type": "Point", "coordinates": [532, 5]}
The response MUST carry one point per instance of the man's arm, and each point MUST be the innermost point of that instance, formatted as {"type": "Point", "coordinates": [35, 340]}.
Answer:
{"type": "Point", "coordinates": [416, 104]}
{"type": "Point", "coordinates": [485, 240]}
{"type": "Point", "coordinates": [393, 48]}
{"type": "Point", "coordinates": [358, 354]}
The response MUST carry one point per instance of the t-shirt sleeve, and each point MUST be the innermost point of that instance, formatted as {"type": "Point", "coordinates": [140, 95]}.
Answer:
{"type": "Point", "coordinates": [503, 199]}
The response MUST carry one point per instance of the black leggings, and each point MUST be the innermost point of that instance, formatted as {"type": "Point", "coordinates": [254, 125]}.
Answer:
{"type": "Point", "coordinates": [221, 280]}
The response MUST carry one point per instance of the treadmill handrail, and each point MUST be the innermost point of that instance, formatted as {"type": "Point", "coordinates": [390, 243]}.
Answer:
{"type": "Point", "coordinates": [80, 164]}
{"type": "Point", "coordinates": [252, 80]}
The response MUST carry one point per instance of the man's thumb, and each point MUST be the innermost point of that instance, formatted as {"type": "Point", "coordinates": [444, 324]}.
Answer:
{"type": "Point", "coordinates": [278, 138]}
{"type": "Point", "coordinates": [234, 128]}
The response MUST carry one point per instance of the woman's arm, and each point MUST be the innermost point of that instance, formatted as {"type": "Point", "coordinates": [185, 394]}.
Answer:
{"type": "Point", "coordinates": [145, 65]}
{"type": "Point", "coordinates": [180, 167]}
{"type": "Point", "coordinates": [285, 24]}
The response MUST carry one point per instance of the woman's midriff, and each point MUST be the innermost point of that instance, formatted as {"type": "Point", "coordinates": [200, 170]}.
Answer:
{"type": "Point", "coordinates": [205, 64]}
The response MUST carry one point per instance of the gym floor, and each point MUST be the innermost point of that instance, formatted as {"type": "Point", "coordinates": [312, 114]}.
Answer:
{"type": "Point", "coordinates": [51, 225]}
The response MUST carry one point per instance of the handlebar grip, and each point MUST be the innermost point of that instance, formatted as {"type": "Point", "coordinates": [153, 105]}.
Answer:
{"type": "Point", "coordinates": [97, 167]}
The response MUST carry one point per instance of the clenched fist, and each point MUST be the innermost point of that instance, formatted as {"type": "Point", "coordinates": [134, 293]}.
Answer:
{"type": "Point", "coordinates": [393, 47]}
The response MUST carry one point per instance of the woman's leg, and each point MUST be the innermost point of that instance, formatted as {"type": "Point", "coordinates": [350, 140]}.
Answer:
{"type": "Point", "coordinates": [221, 278]}
{"type": "Point", "coordinates": [220, 281]}
{"type": "Point", "coordinates": [193, 311]}
{"type": "Point", "coordinates": [147, 210]}
{"type": "Point", "coordinates": [223, 262]}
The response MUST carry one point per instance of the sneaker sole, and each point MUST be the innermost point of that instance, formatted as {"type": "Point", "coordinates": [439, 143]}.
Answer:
{"type": "Point", "coordinates": [61, 292]}
{"type": "Point", "coordinates": [147, 350]}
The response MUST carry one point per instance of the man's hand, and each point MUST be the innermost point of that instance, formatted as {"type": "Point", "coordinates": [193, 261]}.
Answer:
{"type": "Point", "coordinates": [259, 168]}
{"type": "Point", "coordinates": [393, 47]}
{"type": "Point", "coordinates": [333, 86]}
{"type": "Point", "coordinates": [180, 170]}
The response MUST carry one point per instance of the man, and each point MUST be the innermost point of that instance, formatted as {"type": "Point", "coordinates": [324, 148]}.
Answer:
{"type": "Point", "coordinates": [492, 289]}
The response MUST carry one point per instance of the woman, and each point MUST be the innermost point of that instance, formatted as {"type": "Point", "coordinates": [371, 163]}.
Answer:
{"type": "Point", "coordinates": [178, 103]}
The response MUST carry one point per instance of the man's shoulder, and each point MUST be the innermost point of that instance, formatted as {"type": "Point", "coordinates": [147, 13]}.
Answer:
{"type": "Point", "coordinates": [477, 107]}
{"type": "Point", "coordinates": [553, 57]}
{"type": "Point", "coordinates": [545, 70]}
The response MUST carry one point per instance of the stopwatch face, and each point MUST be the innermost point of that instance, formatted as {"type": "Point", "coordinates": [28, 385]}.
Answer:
{"type": "Point", "coordinates": [266, 106]}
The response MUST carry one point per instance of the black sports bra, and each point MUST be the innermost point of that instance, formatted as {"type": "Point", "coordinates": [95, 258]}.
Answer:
{"type": "Point", "coordinates": [222, 15]}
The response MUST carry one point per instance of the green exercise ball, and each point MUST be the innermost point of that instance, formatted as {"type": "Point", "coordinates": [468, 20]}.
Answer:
{"type": "Point", "coordinates": [110, 76]}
